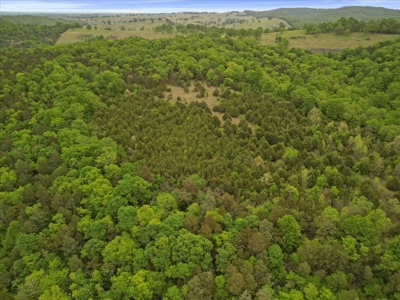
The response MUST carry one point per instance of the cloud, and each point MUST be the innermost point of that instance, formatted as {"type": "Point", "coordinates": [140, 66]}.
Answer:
{"type": "Point", "coordinates": [43, 6]}
{"type": "Point", "coordinates": [84, 5]}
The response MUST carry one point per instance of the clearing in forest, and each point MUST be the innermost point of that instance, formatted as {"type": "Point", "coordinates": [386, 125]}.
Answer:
{"type": "Point", "coordinates": [80, 34]}
{"type": "Point", "coordinates": [209, 99]}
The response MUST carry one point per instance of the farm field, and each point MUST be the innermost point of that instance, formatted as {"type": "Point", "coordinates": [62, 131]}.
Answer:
{"type": "Point", "coordinates": [229, 20]}
{"type": "Point", "coordinates": [80, 34]}
{"type": "Point", "coordinates": [328, 40]}
{"type": "Point", "coordinates": [122, 26]}
{"type": "Point", "coordinates": [142, 25]}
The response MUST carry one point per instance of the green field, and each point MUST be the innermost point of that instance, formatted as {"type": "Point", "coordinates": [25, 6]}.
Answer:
{"type": "Point", "coordinates": [328, 40]}
{"type": "Point", "coordinates": [207, 19]}
{"type": "Point", "coordinates": [143, 25]}
{"type": "Point", "coordinates": [80, 34]}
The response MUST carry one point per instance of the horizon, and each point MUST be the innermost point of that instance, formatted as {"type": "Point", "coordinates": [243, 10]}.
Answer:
{"type": "Point", "coordinates": [170, 6]}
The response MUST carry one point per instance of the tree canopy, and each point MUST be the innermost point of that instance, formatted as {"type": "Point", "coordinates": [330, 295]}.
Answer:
{"type": "Point", "coordinates": [284, 186]}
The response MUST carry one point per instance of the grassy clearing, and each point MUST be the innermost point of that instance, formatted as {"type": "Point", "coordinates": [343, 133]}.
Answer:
{"type": "Point", "coordinates": [145, 27]}
{"type": "Point", "coordinates": [329, 40]}
{"type": "Point", "coordinates": [78, 34]}
{"type": "Point", "coordinates": [253, 23]}
{"type": "Point", "coordinates": [208, 19]}
{"type": "Point", "coordinates": [143, 24]}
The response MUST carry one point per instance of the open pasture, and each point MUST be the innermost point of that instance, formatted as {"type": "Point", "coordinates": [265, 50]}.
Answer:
{"type": "Point", "coordinates": [142, 25]}
{"type": "Point", "coordinates": [328, 40]}
{"type": "Point", "coordinates": [80, 34]}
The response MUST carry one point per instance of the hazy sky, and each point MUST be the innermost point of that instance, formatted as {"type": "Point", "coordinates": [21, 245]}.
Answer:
{"type": "Point", "coordinates": [156, 6]}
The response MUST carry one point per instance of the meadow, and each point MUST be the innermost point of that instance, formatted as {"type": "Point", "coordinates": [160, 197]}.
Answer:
{"type": "Point", "coordinates": [80, 34]}
{"type": "Point", "coordinates": [310, 41]}
{"type": "Point", "coordinates": [328, 40]}
{"type": "Point", "coordinates": [142, 25]}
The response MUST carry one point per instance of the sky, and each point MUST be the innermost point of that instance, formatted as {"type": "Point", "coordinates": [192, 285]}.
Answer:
{"type": "Point", "coordinates": [159, 6]}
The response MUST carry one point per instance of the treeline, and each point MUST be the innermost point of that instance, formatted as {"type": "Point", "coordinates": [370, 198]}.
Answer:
{"type": "Point", "coordinates": [345, 26]}
{"type": "Point", "coordinates": [211, 31]}
{"type": "Point", "coordinates": [27, 35]}
{"type": "Point", "coordinates": [110, 191]}
{"type": "Point", "coordinates": [36, 20]}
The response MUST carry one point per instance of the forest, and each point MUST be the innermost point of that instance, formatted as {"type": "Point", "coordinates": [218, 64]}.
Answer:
{"type": "Point", "coordinates": [346, 26]}
{"type": "Point", "coordinates": [214, 31]}
{"type": "Point", "coordinates": [112, 187]}
{"type": "Point", "coordinates": [21, 35]}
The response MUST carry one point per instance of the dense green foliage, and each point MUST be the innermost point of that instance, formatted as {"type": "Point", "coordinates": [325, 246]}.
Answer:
{"type": "Point", "coordinates": [35, 20]}
{"type": "Point", "coordinates": [108, 191]}
{"type": "Point", "coordinates": [346, 26]}
{"type": "Point", "coordinates": [297, 17]}
{"type": "Point", "coordinates": [214, 32]}
{"type": "Point", "coordinates": [28, 35]}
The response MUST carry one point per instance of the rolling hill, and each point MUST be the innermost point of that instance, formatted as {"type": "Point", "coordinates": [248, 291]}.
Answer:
{"type": "Point", "coordinates": [297, 17]}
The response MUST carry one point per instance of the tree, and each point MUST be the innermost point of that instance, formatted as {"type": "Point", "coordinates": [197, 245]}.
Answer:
{"type": "Point", "coordinates": [108, 83]}
{"type": "Point", "coordinates": [192, 249]}
{"type": "Point", "coordinates": [290, 231]}
{"type": "Point", "coordinates": [276, 260]}
{"type": "Point", "coordinates": [257, 243]}
{"type": "Point", "coordinates": [201, 286]}
{"type": "Point", "coordinates": [119, 251]}
{"type": "Point", "coordinates": [361, 229]}
{"type": "Point", "coordinates": [127, 286]}
{"type": "Point", "coordinates": [126, 217]}
{"type": "Point", "coordinates": [334, 109]}
{"type": "Point", "coordinates": [166, 201]}
{"type": "Point", "coordinates": [225, 254]}
{"type": "Point", "coordinates": [159, 253]}
{"type": "Point", "coordinates": [235, 283]}
{"type": "Point", "coordinates": [173, 293]}
{"type": "Point", "coordinates": [54, 293]}
{"type": "Point", "coordinates": [391, 258]}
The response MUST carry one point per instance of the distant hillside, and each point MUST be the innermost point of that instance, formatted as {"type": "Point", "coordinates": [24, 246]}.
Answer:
{"type": "Point", "coordinates": [35, 20]}
{"type": "Point", "coordinates": [297, 17]}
